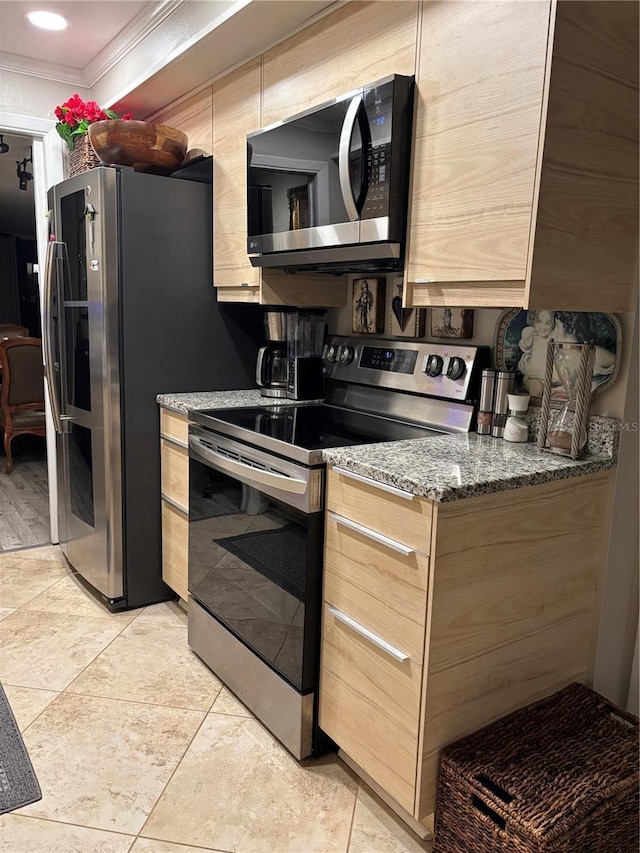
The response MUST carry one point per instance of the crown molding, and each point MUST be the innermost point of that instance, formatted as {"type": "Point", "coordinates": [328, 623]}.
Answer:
{"type": "Point", "coordinates": [144, 23]}
{"type": "Point", "coordinates": [43, 70]}
{"type": "Point", "coordinates": [147, 19]}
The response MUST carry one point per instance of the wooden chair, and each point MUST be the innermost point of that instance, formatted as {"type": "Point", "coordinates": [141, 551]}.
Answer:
{"type": "Point", "coordinates": [22, 391]}
{"type": "Point", "coordinates": [11, 330]}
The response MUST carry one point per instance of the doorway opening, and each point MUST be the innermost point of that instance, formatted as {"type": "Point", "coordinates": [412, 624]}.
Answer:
{"type": "Point", "coordinates": [24, 493]}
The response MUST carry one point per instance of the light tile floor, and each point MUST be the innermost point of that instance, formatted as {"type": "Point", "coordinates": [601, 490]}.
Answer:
{"type": "Point", "coordinates": [138, 748]}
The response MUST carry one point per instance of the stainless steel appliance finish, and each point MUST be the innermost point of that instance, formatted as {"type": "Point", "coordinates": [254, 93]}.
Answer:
{"type": "Point", "coordinates": [256, 522]}
{"type": "Point", "coordinates": [328, 188]}
{"type": "Point", "coordinates": [283, 710]}
{"type": "Point", "coordinates": [128, 314]}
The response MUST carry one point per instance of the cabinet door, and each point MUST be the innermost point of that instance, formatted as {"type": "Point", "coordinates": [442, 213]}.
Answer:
{"type": "Point", "coordinates": [355, 45]}
{"type": "Point", "coordinates": [236, 111]}
{"type": "Point", "coordinates": [175, 549]}
{"type": "Point", "coordinates": [370, 706]}
{"type": "Point", "coordinates": [480, 101]}
{"type": "Point", "coordinates": [192, 117]}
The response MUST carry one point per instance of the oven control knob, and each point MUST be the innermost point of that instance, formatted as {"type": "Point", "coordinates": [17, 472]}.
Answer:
{"type": "Point", "coordinates": [332, 352]}
{"type": "Point", "coordinates": [346, 355]}
{"type": "Point", "coordinates": [457, 368]}
{"type": "Point", "coordinates": [434, 365]}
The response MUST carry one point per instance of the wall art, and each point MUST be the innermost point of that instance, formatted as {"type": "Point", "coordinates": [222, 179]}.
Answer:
{"type": "Point", "coordinates": [521, 345]}
{"type": "Point", "coordinates": [452, 322]}
{"type": "Point", "coordinates": [402, 322]}
{"type": "Point", "coordinates": [367, 317]}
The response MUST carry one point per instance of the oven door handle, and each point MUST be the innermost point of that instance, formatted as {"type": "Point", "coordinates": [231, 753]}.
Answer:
{"type": "Point", "coordinates": [255, 475]}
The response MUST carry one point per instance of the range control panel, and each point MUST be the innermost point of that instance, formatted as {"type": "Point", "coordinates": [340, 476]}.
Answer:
{"type": "Point", "coordinates": [447, 371]}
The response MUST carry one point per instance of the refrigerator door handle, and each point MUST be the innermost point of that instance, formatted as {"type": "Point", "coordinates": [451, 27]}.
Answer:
{"type": "Point", "coordinates": [54, 253]}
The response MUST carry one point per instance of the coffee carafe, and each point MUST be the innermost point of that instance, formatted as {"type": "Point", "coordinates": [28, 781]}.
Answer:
{"type": "Point", "coordinates": [305, 339]}
{"type": "Point", "coordinates": [271, 366]}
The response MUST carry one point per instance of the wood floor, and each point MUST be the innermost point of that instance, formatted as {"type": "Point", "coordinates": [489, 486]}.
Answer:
{"type": "Point", "coordinates": [24, 496]}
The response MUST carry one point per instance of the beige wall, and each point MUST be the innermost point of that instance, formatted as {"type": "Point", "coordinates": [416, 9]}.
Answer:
{"type": "Point", "coordinates": [22, 94]}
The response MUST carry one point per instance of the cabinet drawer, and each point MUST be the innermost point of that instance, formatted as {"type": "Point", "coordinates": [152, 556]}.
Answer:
{"type": "Point", "coordinates": [174, 425]}
{"type": "Point", "coordinates": [175, 549]}
{"type": "Point", "coordinates": [175, 474]}
{"type": "Point", "coordinates": [369, 704]}
{"type": "Point", "coordinates": [405, 519]}
{"type": "Point", "coordinates": [384, 589]}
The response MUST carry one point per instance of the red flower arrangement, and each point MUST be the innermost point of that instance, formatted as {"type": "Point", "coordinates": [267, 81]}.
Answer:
{"type": "Point", "coordinates": [75, 116]}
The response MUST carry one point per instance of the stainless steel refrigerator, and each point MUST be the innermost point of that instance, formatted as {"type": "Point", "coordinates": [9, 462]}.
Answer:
{"type": "Point", "coordinates": [129, 312]}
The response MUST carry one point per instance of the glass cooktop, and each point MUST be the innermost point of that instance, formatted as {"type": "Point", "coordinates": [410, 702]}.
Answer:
{"type": "Point", "coordinates": [308, 429]}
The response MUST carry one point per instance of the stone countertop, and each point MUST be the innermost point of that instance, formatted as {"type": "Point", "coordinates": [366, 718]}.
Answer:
{"type": "Point", "coordinates": [444, 467]}
{"type": "Point", "coordinates": [191, 402]}
{"type": "Point", "coordinates": [451, 467]}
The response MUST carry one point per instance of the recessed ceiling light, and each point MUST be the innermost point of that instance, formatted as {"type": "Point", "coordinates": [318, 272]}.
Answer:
{"type": "Point", "coordinates": [47, 20]}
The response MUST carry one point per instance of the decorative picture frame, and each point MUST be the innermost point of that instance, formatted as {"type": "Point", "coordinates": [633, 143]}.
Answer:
{"type": "Point", "coordinates": [402, 322]}
{"type": "Point", "coordinates": [451, 322]}
{"type": "Point", "coordinates": [367, 306]}
{"type": "Point", "coordinates": [521, 338]}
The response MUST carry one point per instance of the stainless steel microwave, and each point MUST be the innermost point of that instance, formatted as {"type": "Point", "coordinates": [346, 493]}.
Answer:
{"type": "Point", "coordinates": [328, 188]}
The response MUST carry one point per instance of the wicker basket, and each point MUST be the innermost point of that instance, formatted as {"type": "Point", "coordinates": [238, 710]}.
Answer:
{"type": "Point", "coordinates": [560, 775]}
{"type": "Point", "coordinates": [82, 157]}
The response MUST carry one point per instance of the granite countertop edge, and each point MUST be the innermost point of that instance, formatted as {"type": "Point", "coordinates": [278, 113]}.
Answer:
{"type": "Point", "coordinates": [423, 487]}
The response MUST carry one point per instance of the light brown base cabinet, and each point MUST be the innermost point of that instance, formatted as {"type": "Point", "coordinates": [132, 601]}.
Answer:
{"type": "Point", "coordinates": [174, 478]}
{"type": "Point", "coordinates": [439, 618]}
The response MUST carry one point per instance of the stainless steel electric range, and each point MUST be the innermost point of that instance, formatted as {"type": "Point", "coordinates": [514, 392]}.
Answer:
{"type": "Point", "coordinates": [256, 500]}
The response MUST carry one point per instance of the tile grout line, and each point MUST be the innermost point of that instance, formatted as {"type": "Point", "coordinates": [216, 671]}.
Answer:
{"type": "Point", "coordinates": [353, 816]}
{"type": "Point", "coordinates": [70, 823]}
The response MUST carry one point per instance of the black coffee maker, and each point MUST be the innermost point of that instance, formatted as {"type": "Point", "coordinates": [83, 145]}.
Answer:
{"type": "Point", "coordinates": [271, 366]}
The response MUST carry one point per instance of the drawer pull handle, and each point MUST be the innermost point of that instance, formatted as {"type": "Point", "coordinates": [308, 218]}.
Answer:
{"type": "Point", "coordinates": [174, 504]}
{"type": "Point", "coordinates": [371, 534]}
{"type": "Point", "coordinates": [176, 442]}
{"type": "Point", "coordinates": [401, 493]}
{"type": "Point", "coordinates": [378, 641]}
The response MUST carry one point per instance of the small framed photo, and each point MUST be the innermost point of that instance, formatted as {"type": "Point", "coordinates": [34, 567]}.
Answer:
{"type": "Point", "coordinates": [402, 322]}
{"type": "Point", "coordinates": [452, 322]}
{"type": "Point", "coordinates": [368, 306]}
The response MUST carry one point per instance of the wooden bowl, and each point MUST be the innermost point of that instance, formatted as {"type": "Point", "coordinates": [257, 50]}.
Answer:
{"type": "Point", "coordinates": [146, 146]}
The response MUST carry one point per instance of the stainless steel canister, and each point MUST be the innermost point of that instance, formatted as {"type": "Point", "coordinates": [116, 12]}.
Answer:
{"type": "Point", "coordinates": [504, 386]}
{"type": "Point", "coordinates": [485, 407]}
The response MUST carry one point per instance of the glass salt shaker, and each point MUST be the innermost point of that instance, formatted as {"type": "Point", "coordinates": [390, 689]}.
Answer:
{"type": "Point", "coordinates": [516, 427]}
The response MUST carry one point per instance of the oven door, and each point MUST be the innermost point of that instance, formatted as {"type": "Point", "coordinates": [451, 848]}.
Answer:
{"type": "Point", "coordinates": [255, 550]}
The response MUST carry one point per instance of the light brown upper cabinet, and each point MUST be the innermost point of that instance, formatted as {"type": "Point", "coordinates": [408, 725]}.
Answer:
{"type": "Point", "coordinates": [192, 117]}
{"type": "Point", "coordinates": [236, 112]}
{"type": "Point", "coordinates": [525, 172]}
{"type": "Point", "coordinates": [355, 45]}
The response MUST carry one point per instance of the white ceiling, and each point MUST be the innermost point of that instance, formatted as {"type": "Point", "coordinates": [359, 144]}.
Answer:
{"type": "Point", "coordinates": [94, 27]}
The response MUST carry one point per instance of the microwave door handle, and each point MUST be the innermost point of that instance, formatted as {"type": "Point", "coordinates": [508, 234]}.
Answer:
{"type": "Point", "coordinates": [54, 250]}
{"type": "Point", "coordinates": [343, 158]}
{"type": "Point", "coordinates": [365, 171]}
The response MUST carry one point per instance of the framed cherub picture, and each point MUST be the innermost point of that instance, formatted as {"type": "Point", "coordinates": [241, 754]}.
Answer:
{"type": "Point", "coordinates": [367, 316]}
{"type": "Point", "coordinates": [521, 345]}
